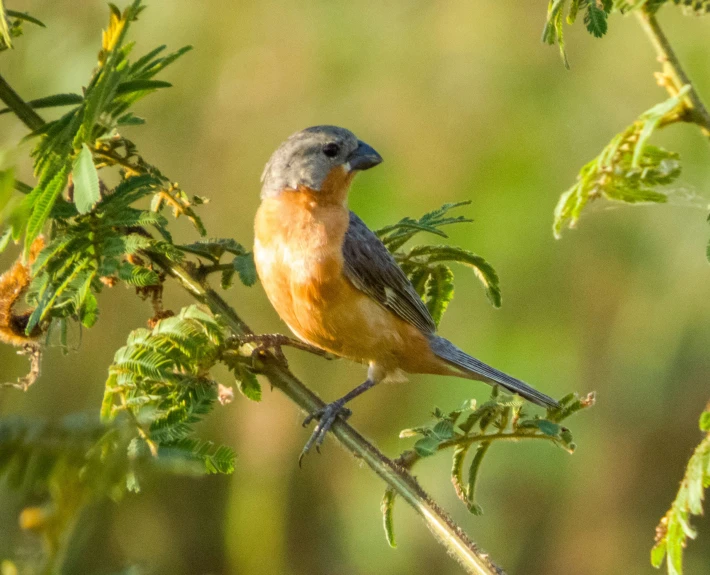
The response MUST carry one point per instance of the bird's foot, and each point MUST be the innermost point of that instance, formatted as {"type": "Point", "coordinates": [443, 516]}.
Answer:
{"type": "Point", "coordinates": [326, 416]}
{"type": "Point", "coordinates": [274, 342]}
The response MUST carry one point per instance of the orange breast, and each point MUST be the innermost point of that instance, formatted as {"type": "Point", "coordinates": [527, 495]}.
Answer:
{"type": "Point", "coordinates": [299, 258]}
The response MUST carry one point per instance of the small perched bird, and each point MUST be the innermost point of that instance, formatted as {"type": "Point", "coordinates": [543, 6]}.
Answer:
{"type": "Point", "coordinates": [334, 282]}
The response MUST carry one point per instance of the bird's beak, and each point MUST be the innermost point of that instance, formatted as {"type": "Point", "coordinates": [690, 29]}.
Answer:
{"type": "Point", "coordinates": [363, 157]}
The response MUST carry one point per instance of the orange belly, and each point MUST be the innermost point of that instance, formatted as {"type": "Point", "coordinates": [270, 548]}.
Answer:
{"type": "Point", "coordinates": [298, 255]}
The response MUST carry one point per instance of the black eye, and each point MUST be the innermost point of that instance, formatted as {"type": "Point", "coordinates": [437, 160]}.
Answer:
{"type": "Point", "coordinates": [331, 150]}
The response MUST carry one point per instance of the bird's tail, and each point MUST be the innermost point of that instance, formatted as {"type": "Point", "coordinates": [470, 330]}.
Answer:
{"type": "Point", "coordinates": [475, 369]}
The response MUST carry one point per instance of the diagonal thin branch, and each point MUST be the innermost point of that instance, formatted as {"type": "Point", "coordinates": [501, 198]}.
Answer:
{"type": "Point", "coordinates": [675, 76]}
{"type": "Point", "coordinates": [446, 531]}
{"type": "Point", "coordinates": [397, 477]}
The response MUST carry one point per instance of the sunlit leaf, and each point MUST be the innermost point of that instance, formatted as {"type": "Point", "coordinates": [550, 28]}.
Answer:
{"type": "Point", "coordinates": [86, 181]}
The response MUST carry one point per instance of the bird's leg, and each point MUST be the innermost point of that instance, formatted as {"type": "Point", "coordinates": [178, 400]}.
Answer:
{"type": "Point", "coordinates": [327, 415]}
{"type": "Point", "coordinates": [275, 341]}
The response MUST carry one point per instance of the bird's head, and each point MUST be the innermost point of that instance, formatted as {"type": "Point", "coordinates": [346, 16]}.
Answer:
{"type": "Point", "coordinates": [317, 159]}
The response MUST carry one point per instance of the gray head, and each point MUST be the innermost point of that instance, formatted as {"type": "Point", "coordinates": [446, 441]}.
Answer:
{"type": "Point", "coordinates": [308, 156]}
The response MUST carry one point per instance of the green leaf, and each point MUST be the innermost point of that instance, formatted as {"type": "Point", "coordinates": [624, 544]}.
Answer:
{"type": "Point", "coordinates": [658, 554]}
{"type": "Point", "coordinates": [7, 185]}
{"type": "Point", "coordinates": [130, 120]}
{"type": "Point", "coordinates": [705, 421]}
{"type": "Point", "coordinates": [214, 248]}
{"type": "Point", "coordinates": [444, 430]}
{"type": "Point", "coordinates": [457, 462]}
{"type": "Point", "coordinates": [595, 19]}
{"type": "Point", "coordinates": [426, 446]}
{"type": "Point", "coordinates": [439, 291]}
{"type": "Point", "coordinates": [473, 472]}
{"type": "Point", "coordinates": [553, 31]}
{"type": "Point", "coordinates": [24, 16]}
{"type": "Point", "coordinates": [396, 235]}
{"type": "Point", "coordinates": [43, 202]}
{"type": "Point", "coordinates": [137, 275]}
{"type": "Point", "coordinates": [248, 384]}
{"type": "Point", "coordinates": [52, 101]}
{"type": "Point", "coordinates": [651, 120]}
{"type": "Point", "coordinates": [5, 239]}
{"type": "Point", "coordinates": [244, 266]}
{"type": "Point", "coordinates": [387, 508]}
{"type": "Point", "coordinates": [89, 311]}
{"type": "Point", "coordinates": [5, 36]}
{"type": "Point", "coordinates": [548, 427]}
{"type": "Point", "coordinates": [140, 86]}
{"type": "Point", "coordinates": [86, 181]}
{"type": "Point", "coordinates": [481, 268]}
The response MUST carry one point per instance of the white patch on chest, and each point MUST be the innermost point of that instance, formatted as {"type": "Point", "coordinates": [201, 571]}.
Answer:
{"type": "Point", "coordinates": [301, 263]}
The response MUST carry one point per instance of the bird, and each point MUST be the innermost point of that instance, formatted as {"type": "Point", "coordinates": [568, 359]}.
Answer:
{"type": "Point", "coordinates": [335, 284]}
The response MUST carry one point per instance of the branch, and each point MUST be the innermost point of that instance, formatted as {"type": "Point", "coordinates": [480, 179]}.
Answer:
{"type": "Point", "coordinates": [22, 109]}
{"type": "Point", "coordinates": [449, 534]}
{"type": "Point", "coordinates": [674, 77]}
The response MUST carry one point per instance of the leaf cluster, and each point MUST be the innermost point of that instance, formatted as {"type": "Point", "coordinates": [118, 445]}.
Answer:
{"type": "Point", "coordinates": [595, 20]}
{"type": "Point", "coordinates": [596, 14]}
{"type": "Point", "coordinates": [212, 251]}
{"type": "Point", "coordinates": [428, 266]}
{"type": "Point", "coordinates": [64, 146]}
{"type": "Point", "coordinates": [697, 7]}
{"type": "Point", "coordinates": [628, 169]}
{"type": "Point", "coordinates": [11, 25]}
{"type": "Point", "coordinates": [475, 428]}
{"type": "Point", "coordinates": [674, 529]}
{"type": "Point", "coordinates": [161, 378]}
{"type": "Point", "coordinates": [90, 251]}
{"type": "Point", "coordinates": [63, 466]}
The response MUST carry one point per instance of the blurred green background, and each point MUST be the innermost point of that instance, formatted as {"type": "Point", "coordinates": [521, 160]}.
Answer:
{"type": "Point", "coordinates": [463, 102]}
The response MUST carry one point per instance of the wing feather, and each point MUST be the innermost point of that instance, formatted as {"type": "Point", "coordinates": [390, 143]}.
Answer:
{"type": "Point", "coordinates": [371, 268]}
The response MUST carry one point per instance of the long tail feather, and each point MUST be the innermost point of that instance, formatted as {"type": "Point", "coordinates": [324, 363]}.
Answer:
{"type": "Point", "coordinates": [481, 371]}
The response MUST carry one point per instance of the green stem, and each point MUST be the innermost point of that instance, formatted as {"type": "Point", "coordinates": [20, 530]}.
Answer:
{"type": "Point", "coordinates": [449, 534]}
{"type": "Point", "coordinates": [409, 458]}
{"type": "Point", "coordinates": [22, 187]}
{"type": "Point", "coordinates": [673, 70]}
{"type": "Point", "coordinates": [22, 109]}
{"type": "Point", "coordinates": [204, 271]}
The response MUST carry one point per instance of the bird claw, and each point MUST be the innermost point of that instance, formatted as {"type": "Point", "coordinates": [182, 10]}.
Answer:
{"type": "Point", "coordinates": [326, 416]}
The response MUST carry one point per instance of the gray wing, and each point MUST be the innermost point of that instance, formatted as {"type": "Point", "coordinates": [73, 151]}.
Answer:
{"type": "Point", "coordinates": [371, 268]}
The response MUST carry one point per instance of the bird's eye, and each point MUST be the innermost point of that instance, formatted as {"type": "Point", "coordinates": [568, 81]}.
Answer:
{"type": "Point", "coordinates": [331, 150]}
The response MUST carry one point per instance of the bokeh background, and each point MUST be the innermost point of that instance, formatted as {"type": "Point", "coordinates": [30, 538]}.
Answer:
{"type": "Point", "coordinates": [463, 102]}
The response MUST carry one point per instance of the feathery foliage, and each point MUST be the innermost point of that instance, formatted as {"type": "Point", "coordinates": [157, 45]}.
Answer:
{"type": "Point", "coordinates": [674, 529]}
{"type": "Point", "coordinates": [65, 466]}
{"type": "Point", "coordinates": [596, 13]}
{"type": "Point", "coordinates": [426, 265]}
{"type": "Point", "coordinates": [628, 168]}
{"type": "Point", "coordinates": [11, 25]}
{"type": "Point", "coordinates": [475, 428]}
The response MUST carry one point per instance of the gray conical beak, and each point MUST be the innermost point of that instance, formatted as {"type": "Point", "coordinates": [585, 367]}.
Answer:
{"type": "Point", "coordinates": [363, 157]}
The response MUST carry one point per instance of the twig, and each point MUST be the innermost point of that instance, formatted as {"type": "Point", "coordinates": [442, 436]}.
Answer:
{"type": "Point", "coordinates": [674, 74]}
{"type": "Point", "coordinates": [22, 109]}
{"type": "Point", "coordinates": [33, 351]}
{"type": "Point", "coordinates": [449, 534]}
{"type": "Point", "coordinates": [409, 458]}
